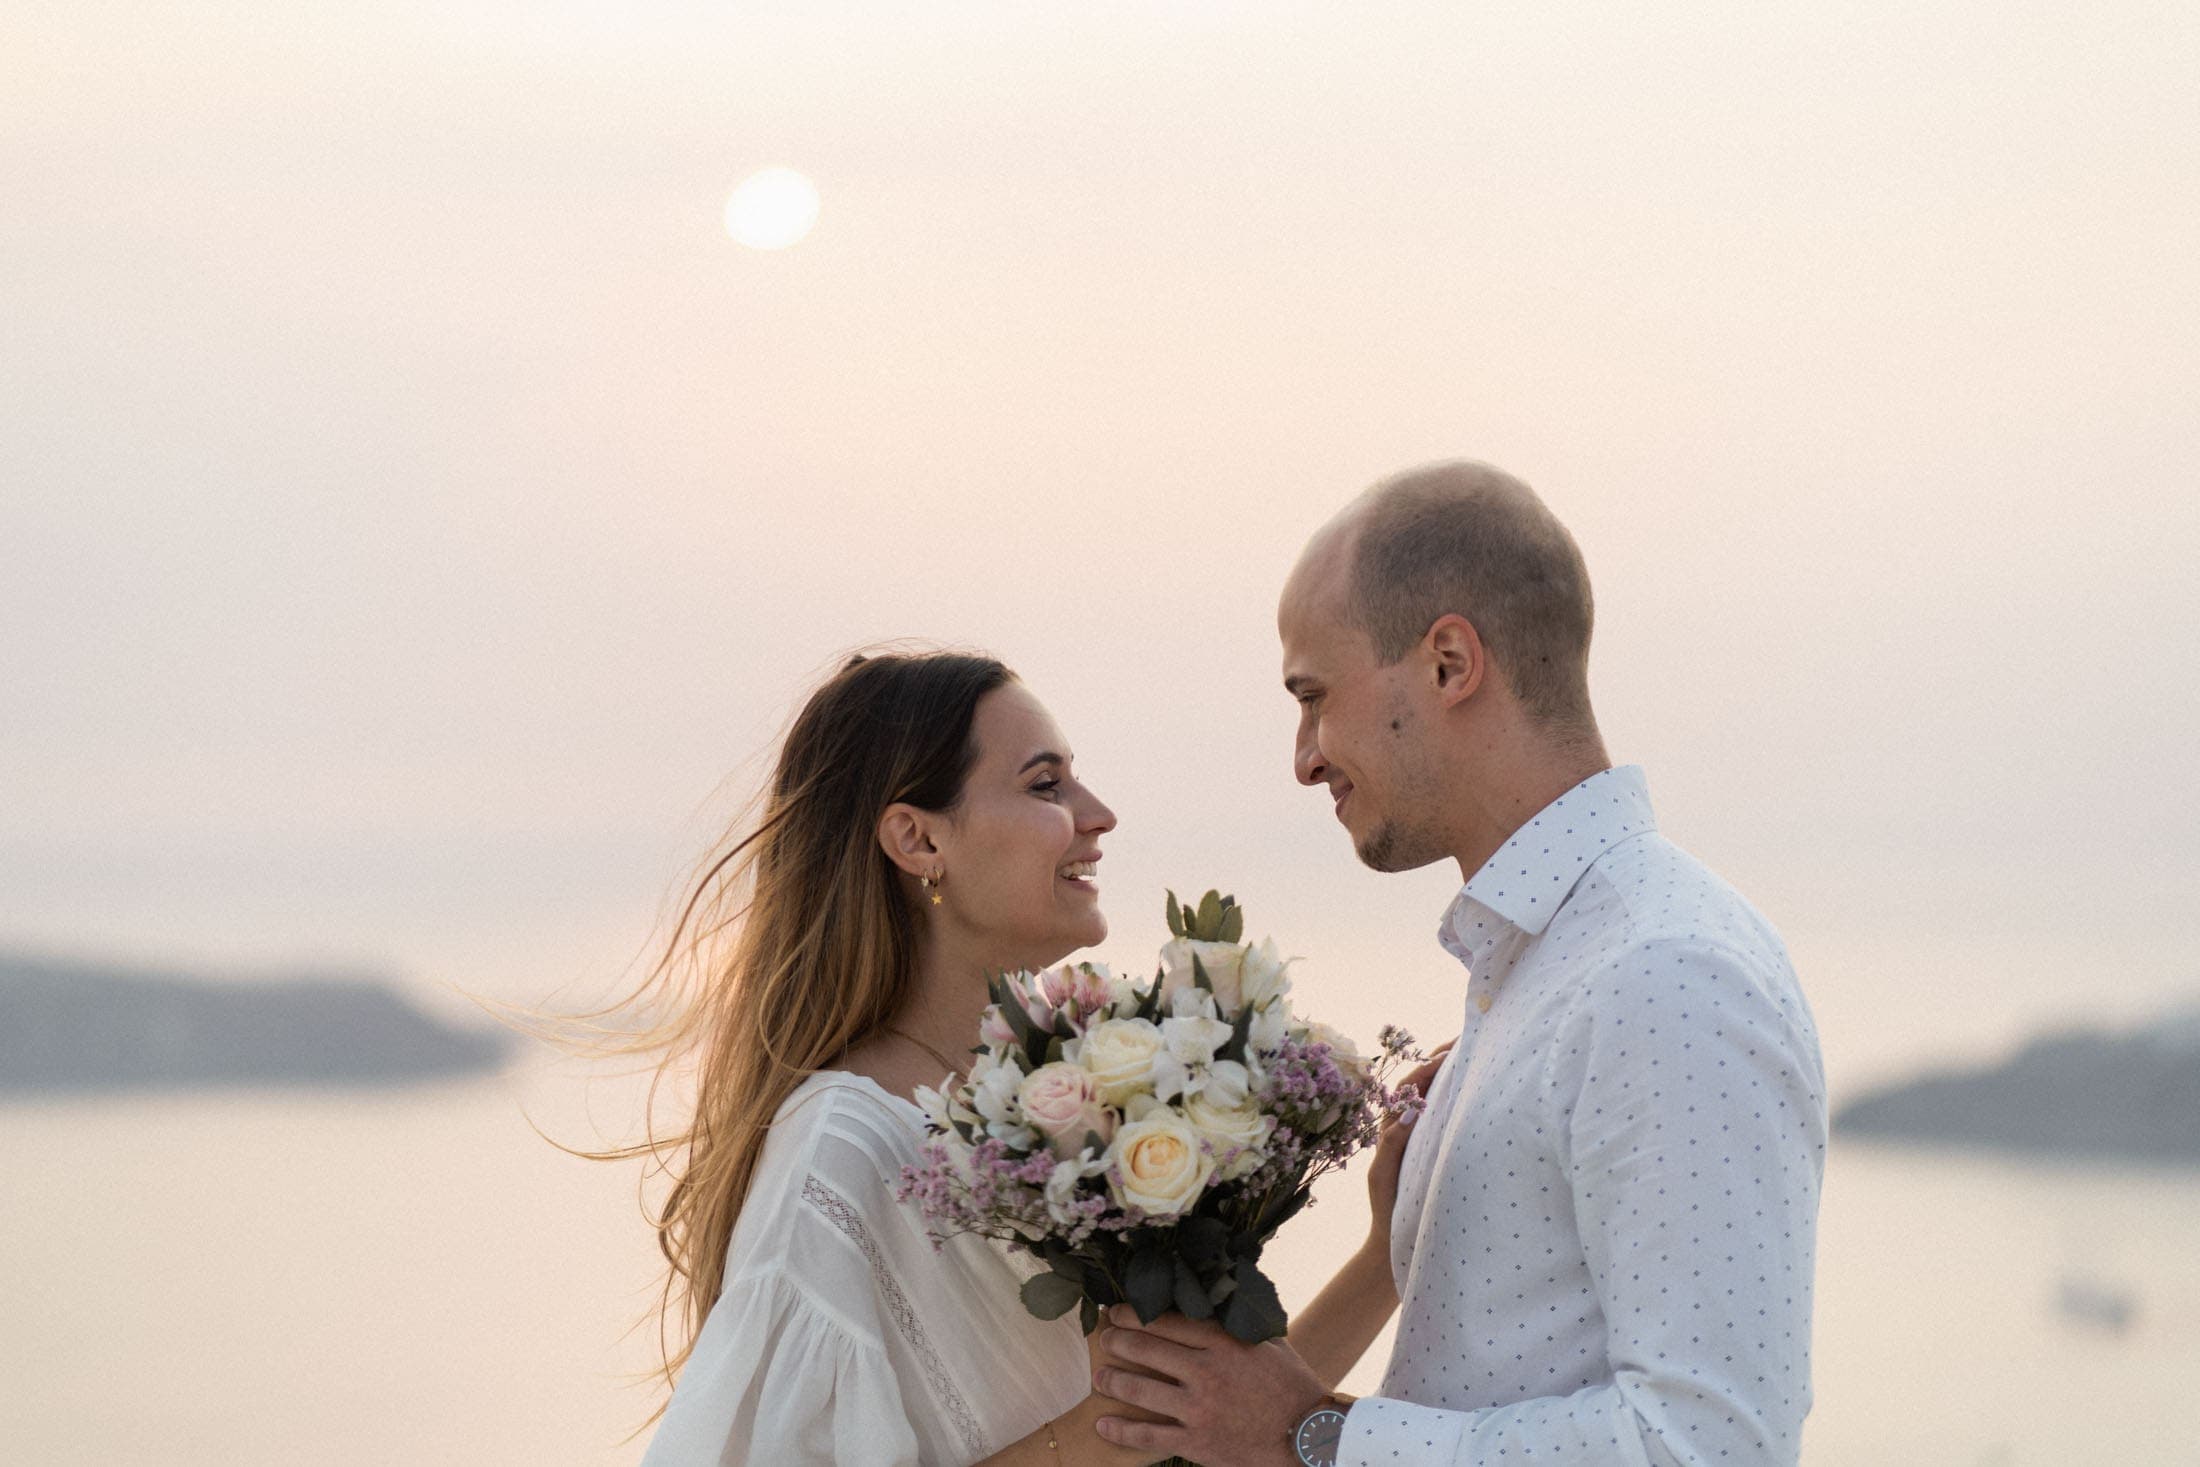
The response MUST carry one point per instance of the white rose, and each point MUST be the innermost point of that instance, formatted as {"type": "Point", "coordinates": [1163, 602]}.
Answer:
{"type": "Point", "coordinates": [1119, 1055]}
{"type": "Point", "coordinates": [1222, 962]}
{"type": "Point", "coordinates": [1158, 1165]}
{"type": "Point", "coordinates": [1059, 1099]}
{"type": "Point", "coordinates": [1226, 1127]}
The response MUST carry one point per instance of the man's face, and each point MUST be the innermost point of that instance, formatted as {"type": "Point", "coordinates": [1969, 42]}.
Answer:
{"type": "Point", "coordinates": [1362, 732]}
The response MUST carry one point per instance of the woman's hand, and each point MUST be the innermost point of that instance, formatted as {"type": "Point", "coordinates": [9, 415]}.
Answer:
{"type": "Point", "coordinates": [1390, 1152]}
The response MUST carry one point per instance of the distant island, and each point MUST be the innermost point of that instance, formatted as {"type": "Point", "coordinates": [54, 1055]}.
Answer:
{"type": "Point", "coordinates": [69, 1027]}
{"type": "Point", "coordinates": [2128, 1096]}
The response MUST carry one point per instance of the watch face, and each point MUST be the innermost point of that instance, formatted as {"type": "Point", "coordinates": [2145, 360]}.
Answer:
{"type": "Point", "coordinates": [1317, 1438]}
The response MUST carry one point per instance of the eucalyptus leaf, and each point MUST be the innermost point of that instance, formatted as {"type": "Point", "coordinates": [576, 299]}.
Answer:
{"type": "Point", "coordinates": [1049, 1295]}
{"type": "Point", "coordinates": [1088, 1313]}
{"type": "Point", "coordinates": [1233, 925]}
{"type": "Point", "coordinates": [1176, 917]}
{"type": "Point", "coordinates": [1204, 1242]}
{"type": "Point", "coordinates": [1191, 1295]}
{"type": "Point", "coordinates": [1210, 916]}
{"type": "Point", "coordinates": [1149, 1282]}
{"type": "Point", "coordinates": [1253, 1312]}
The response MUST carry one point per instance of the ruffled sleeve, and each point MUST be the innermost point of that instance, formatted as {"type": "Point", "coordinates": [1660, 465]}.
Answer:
{"type": "Point", "coordinates": [775, 1377]}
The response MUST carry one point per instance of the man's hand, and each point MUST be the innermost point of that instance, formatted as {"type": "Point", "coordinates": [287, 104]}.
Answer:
{"type": "Point", "coordinates": [1390, 1155]}
{"type": "Point", "coordinates": [1232, 1404]}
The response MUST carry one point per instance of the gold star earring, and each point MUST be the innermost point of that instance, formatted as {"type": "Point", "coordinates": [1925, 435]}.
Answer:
{"type": "Point", "coordinates": [932, 881]}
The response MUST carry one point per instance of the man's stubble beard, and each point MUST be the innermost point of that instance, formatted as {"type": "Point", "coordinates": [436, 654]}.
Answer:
{"type": "Point", "coordinates": [1393, 846]}
{"type": "Point", "coordinates": [1398, 843]}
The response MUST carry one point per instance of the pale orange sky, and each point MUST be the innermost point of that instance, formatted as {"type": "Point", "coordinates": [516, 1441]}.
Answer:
{"type": "Point", "coordinates": [412, 504]}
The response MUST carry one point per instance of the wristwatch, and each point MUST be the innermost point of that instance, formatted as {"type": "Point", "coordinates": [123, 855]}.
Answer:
{"type": "Point", "coordinates": [1317, 1437]}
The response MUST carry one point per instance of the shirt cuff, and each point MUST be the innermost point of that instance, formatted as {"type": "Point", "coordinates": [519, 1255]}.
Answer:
{"type": "Point", "coordinates": [1381, 1432]}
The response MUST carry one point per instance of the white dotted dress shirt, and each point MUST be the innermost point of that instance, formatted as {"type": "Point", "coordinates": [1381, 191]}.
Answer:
{"type": "Point", "coordinates": [1606, 1218]}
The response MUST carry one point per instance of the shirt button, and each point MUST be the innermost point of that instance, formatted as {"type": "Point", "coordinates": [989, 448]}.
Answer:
{"type": "Point", "coordinates": [1482, 1003]}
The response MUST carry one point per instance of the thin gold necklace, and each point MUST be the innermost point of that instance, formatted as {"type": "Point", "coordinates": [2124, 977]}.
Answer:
{"type": "Point", "coordinates": [953, 1068]}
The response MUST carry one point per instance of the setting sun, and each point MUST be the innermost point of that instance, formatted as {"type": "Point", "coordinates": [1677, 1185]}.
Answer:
{"type": "Point", "coordinates": [772, 209]}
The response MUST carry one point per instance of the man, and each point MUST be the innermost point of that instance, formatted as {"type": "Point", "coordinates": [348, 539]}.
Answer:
{"type": "Point", "coordinates": [1605, 1221]}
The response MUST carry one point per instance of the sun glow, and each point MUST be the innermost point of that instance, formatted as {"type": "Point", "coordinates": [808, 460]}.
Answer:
{"type": "Point", "coordinates": [772, 209]}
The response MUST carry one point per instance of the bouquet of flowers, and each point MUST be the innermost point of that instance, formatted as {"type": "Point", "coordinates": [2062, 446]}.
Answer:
{"type": "Point", "coordinates": [1147, 1142]}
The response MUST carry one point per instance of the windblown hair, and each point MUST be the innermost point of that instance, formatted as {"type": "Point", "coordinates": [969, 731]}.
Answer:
{"type": "Point", "coordinates": [797, 940]}
{"type": "Point", "coordinates": [1469, 539]}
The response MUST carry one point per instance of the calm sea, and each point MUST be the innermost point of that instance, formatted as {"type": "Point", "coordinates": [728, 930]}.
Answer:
{"type": "Point", "coordinates": [361, 1278]}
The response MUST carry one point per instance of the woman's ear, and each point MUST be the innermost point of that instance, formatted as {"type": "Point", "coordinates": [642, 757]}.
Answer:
{"type": "Point", "coordinates": [905, 834]}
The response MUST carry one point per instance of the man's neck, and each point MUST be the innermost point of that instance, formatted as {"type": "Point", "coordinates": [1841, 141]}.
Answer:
{"type": "Point", "coordinates": [1505, 804]}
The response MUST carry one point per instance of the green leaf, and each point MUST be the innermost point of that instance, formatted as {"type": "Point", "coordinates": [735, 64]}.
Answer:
{"type": "Point", "coordinates": [1241, 1029]}
{"type": "Point", "coordinates": [1233, 925]}
{"type": "Point", "coordinates": [1199, 976]}
{"type": "Point", "coordinates": [1204, 1243]}
{"type": "Point", "coordinates": [1176, 917]}
{"type": "Point", "coordinates": [1088, 1313]}
{"type": "Point", "coordinates": [1049, 1295]}
{"type": "Point", "coordinates": [1191, 1295]}
{"type": "Point", "coordinates": [1149, 1283]}
{"type": "Point", "coordinates": [1054, 1048]}
{"type": "Point", "coordinates": [1253, 1312]}
{"type": "Point", "coordinates": [1210, 916]}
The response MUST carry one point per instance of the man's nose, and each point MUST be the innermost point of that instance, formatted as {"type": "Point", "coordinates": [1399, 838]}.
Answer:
{"type": "Point", "coordinates": [1308, 764]}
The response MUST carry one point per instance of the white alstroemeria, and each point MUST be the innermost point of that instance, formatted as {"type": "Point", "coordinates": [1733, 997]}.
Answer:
{"type": "Point", "coordinates": [1226, 1083]}
{"type": "Point", "coordinates": [1264, 1036]}
{"type": "Point", "coordinates": [993, 1087]}
{"type": "Point", "coordinates": [1061, 1188]}
{"type": "Point", "coordinates": [1188, 1045]}
{"type": "Point", "coordinates": [934, 1106]}
{"type": "Point", "coordinates": [1265, 975]}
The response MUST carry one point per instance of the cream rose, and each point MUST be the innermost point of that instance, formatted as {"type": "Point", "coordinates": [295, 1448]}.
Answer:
{"type": "Point", "coordinates": [1223, 963]}
{"type": "Point", "coordinates": [1059, 1099]}
{"type": "Point", "coordinates": [1118, 1054]}
{"type": "Point", "coordinates": [1341, 1053]}
{"type": "Point", "coordinates": [1158, 1165]}
{"type": "Point", "coordinates": [1228, 1127]}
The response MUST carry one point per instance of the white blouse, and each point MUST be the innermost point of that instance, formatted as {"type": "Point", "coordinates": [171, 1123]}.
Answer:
{"type": "Point", "coordinates": [841, 1335]}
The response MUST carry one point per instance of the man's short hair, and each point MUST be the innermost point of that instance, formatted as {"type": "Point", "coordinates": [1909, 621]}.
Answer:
{"type": "Point", "coordinates": [1471, 539]}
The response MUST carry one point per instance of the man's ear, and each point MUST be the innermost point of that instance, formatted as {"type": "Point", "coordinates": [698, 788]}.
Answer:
{"type": "Point", "coordinates": [905, 834]}
{"type": "Point", "coordinates": [1456, 658]}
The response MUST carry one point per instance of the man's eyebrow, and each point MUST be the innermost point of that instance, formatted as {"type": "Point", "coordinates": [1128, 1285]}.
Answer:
{"type": "Point", "coordinates": [1045, 756]}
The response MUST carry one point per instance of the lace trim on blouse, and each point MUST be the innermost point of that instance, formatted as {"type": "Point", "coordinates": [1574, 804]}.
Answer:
{"type": "Point", "coordinates": [843, 1216]}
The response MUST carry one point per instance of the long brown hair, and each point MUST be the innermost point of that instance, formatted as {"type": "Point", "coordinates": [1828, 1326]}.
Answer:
{"type": "Point", "coordinates": [797, 940]}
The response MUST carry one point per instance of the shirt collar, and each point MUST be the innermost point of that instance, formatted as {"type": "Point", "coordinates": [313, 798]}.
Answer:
{"type": "Point", "coordinates": [1532, 874]}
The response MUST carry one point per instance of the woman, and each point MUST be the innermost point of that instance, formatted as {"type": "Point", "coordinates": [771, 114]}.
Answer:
{"type": "Point", "coordinates": [923, 828]}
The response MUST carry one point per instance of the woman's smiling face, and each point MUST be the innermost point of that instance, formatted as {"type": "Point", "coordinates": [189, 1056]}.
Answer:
{"type": "Point", "coordinates": [1019, 849]}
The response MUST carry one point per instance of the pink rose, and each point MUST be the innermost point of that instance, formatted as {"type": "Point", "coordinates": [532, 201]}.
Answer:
{"type": "Point", "coordinates": [1059, 1102]}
